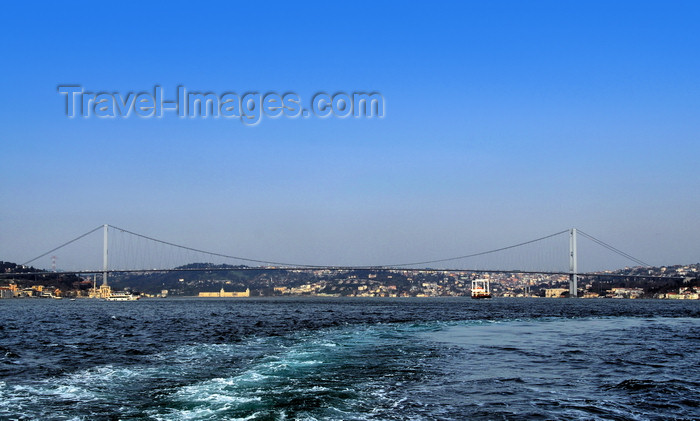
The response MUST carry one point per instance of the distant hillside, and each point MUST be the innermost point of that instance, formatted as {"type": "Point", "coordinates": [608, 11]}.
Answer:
{"type": "Point", "coordinates": [48, 279]}
{"type": "Point", "coordinates": [670, 279]}
{"type": "Point", "coordinates": [691, 270]}
{"type": "Point", "coordinates": [191, 282]}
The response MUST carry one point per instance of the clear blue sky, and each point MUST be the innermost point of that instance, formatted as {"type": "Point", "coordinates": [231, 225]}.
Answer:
{"type": "Point", "coordinates": [505, 121]}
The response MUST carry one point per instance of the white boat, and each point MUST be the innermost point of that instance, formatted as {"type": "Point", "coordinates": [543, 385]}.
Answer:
{"type": "Point", "coordinates": [122, 296]}
{"type": "Point", "coordinates": [481, 288]}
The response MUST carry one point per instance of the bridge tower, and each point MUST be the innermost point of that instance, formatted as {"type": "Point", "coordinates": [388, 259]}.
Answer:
{"type": "Point", "coordinates": [104, 255]}
{"type": "Point", "coordinates": [573, 264]}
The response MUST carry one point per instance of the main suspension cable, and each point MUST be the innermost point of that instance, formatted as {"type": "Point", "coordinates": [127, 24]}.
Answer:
{"type": "Point", "coordinates": [476, 254]}
{"type": "Point", "coordinates": [62, 245]}
{"type": "Point", "coordinates": [269, 262]}
{"type": "Point", "coordinates": [613, 249]}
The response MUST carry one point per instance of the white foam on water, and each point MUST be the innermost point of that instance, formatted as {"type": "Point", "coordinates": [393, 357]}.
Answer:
{"type": "Point", "coordinates": [83, 388]}
{"type": "Point", "coordinates": [279, 371]}
{"type": "Point", "coordinates": [252, 377]}
{"type": "Point", "coordinates": [50, 392]}
{"type": "Point", "coordinates": [306, 417]}
{"type": "Point", "coordinates": [195, 353]}
{"type": "Point", "coordinates": [265, 373]}
{"type": "Point", "coordinates": [201, 414]}
{"type": "Point", "coordinates": [214, 391]}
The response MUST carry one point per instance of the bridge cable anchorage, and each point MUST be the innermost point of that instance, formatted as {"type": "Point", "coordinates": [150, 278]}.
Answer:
{"type": "Point", "coordinates": [215, 254]}
{"type": "Point", "coordinates": [475, 254]}
{"type": "Point", "coordinates": [613, 249]}
{"type": "Point", "coordinates": [63, 245]}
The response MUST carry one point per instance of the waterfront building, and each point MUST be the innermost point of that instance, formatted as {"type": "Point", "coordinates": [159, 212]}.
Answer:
{"type": "Point", "coordinates": [556, 292]}
{"type": "Point", "coordinates": [224, 294]}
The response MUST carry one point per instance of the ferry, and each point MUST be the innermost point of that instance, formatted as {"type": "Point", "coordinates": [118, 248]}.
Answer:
{"type": "Point", "coordinates": [122, 296]}
{"type": "Point", "coordinates": [481, 288]}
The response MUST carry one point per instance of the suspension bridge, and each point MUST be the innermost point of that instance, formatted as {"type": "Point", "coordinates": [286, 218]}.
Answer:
{"type": "Point", "coordinates": [121, 250]}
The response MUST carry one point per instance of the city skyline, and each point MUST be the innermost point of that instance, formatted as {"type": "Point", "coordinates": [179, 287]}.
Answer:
{"type": "Point", "coordinates": [502, 123]}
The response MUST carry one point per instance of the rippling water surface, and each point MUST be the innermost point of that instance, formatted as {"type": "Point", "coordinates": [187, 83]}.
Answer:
{"type": "Point", "coordinates": [350, 359]}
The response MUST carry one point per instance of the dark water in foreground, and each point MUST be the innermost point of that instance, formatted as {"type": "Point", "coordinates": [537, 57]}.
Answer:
{"type": "Point", "coordinates": [350, 359]}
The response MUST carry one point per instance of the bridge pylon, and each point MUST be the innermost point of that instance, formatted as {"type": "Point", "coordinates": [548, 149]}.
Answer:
{"type": "Point", "coordinates": [573, 264]}
{"type": "Point", "coordinates": [105, 266]}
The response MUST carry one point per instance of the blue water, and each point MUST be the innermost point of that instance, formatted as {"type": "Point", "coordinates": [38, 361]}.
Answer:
{"type": "Point", "coordinates": [350, 359]}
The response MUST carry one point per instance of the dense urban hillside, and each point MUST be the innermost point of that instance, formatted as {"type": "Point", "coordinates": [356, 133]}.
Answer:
{"type": "Point", "coordinates": [204, 277]}
{"type": "Point", "coordinates": [64, 282]}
